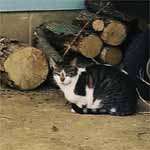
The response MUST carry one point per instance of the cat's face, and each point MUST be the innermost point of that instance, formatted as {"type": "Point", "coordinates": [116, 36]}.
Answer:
{"type": "Point", "coordinates": [64, 73]}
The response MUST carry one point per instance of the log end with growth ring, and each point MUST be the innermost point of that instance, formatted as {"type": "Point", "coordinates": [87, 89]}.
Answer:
{"type": "Point", "coordinates": [26, 68]}
{"type": "Point", "coordinates": [114, 33]}
{"type": "Point", "coordinates": [90, 46]}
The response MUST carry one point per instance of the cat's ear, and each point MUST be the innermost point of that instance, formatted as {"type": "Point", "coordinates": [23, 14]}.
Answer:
{"type": "Point", "coordinates": [52, 63]}
{"type": "Point", "coordinates": [74, 62]}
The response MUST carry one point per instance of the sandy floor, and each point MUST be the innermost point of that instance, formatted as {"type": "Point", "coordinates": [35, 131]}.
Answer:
{"type": "Point", "coordinates": [42, 121]}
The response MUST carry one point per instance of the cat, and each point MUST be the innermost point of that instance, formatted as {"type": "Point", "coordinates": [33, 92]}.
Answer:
{"type": "Point", "coordinates": [95, 89]}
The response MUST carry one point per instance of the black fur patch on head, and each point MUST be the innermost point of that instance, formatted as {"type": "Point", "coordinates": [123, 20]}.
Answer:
{"type": "Point", "coordinates": [70, 71]}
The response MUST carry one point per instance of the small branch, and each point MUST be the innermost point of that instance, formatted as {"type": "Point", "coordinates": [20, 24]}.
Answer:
{"type": "Point", "coordinates": [2, 39]}
{"type": "Point", "coordinates": [83, 28]}
{"type": "Point", "coordinates": [95, 61]}
{"type": "Point", "coordinates": [5, 117]}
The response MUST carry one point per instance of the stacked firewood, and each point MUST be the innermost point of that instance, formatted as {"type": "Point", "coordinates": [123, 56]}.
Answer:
{"type": "Point", "coordinates": [97, 34]}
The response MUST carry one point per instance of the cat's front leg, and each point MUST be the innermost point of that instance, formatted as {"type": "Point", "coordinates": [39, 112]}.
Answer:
{"type": "Point", "coordinates": [79, 105]}
{"type": "Point", "coordinates": [77, 109]}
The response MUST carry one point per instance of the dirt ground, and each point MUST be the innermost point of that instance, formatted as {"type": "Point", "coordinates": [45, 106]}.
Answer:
{"type": "Point", "coordinates": [40, 120]}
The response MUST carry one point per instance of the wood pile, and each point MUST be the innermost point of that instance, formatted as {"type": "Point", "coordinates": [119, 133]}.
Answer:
{"type": "Point", "coordinates": [97, 33]}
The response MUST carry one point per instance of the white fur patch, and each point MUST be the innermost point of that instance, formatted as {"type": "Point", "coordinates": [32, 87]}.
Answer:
{"type": "Point", "coordinates": [85, 110]}
{"type": "Point", "coordinates": [94, 110]}
{"type": "Point", "coordinates": [72, 110]}
{"type": "Point", "coordinates": [68, 89]}
{"type": "Point", "coordinates": [125, 72]}
{"type": "Point", "coordinates": [109, 65]}
{"type": "Point", "coordinates": [65, 82]}
{"type": "Point", "coordinates": [113, 110]}
{"type": "Point", "coordinates": [81, 70]}
{"type": "Point", "coordinates": [102, 111]}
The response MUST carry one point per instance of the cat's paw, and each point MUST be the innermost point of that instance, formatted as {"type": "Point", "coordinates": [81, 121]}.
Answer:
{"type": "Point", "coordinates": [72, 110]}
{"type": "Point", "coordinates": [113, 111]}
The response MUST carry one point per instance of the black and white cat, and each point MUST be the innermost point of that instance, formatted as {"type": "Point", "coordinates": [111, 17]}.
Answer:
{"type": "Point", "coordinates": [97, 89]}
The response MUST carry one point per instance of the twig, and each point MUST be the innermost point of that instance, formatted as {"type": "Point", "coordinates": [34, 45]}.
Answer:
{"type": "Point", "coordinates": [95, 61]}
{"type": "Point", "coordinates": [82, 29]}
{"type": "Point", "coordinates": [2, 39]}
{"type": "Point", "coordinates": [5, 117]}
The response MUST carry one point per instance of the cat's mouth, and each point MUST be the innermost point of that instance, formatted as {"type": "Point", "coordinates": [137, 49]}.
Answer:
{"type": "Point", "coordinates": [63, 83]}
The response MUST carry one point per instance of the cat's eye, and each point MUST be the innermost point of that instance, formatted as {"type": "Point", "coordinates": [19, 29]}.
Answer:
{"type": "Point", "coordinates": [57, 73]}
{"type": "Point", "coordinates": [70, 74]}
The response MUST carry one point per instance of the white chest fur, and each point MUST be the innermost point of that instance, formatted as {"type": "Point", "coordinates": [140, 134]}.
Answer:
{"type": "Point", "coordinates": [77, 99]}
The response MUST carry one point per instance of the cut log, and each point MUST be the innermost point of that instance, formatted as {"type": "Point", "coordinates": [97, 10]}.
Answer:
{"type": "Point", "coordinates": [90, 46]}
{"type": "Point", "coordinates": [22, 67]}
{"type": "Point", "coordinates": [111, 55]}
{"type": "Point", "coordinates": [98, 25]}
{"type": "Point", "coordinates": [114, 33]}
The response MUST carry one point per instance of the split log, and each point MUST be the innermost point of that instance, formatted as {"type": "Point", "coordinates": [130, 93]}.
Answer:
{"type": "Point", "coordinates": [58, 34]}
{"type": "Point", "coordinates": [111, 55]}
{"type": "Point", "coordinates": [90, 46]}
{"type": "Point", "coordinates": [114, 33]}
{"type": "Point", "coordinates": [21, 66]}
{"type": "Point", "coordinates": [41, 43]}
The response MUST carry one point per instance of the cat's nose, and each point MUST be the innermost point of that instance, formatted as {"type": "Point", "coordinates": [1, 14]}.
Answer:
{"type": "Point", "coordinates": [62, 77]}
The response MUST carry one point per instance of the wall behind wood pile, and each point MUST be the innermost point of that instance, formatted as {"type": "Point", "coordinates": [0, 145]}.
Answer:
{"type": "Point", "coordinates": [20, 25]}
{"type": "Point", "coordinates": [14, 24]}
